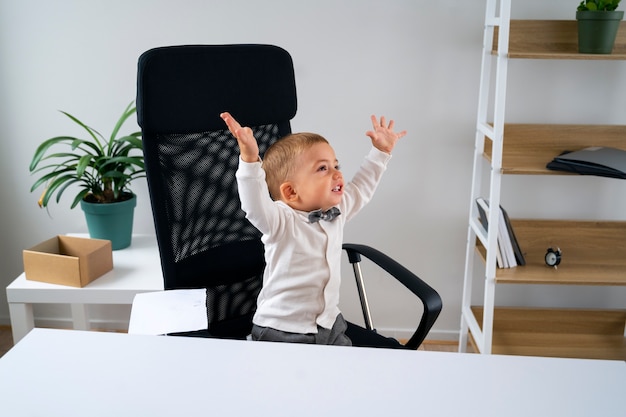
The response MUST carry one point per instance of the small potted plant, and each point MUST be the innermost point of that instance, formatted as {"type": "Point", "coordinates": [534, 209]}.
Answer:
{"type": "Point", "coordinates": [598, 23]}
{"type": "Point", "coordinates": [103, 169]}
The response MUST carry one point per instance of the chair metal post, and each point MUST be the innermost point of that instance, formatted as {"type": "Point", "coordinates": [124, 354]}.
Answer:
{"type": "Point", "coordinates": [360, 285]}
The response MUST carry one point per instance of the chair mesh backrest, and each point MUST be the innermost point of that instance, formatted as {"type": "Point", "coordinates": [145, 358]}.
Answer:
{"type": "Point", "coordinates": [204, 239]}
{"type": "Point", "coordinates": [203, 213]}
{"type": "Point", "coordinates": [201, 200]}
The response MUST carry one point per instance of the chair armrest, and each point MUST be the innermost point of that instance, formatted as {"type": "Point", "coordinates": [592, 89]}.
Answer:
{"type": "Point", "coordinates": [430, 298]}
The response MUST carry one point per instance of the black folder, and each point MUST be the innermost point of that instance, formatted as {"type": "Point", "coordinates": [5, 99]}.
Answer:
{"type": "Point", "coordinates": [597, 160]}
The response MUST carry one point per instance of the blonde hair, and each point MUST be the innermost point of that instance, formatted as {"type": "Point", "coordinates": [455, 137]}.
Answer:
{"type": "Point", "coordinates": [280, 158]}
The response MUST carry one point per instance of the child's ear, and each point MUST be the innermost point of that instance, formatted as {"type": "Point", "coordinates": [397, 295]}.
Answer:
{"type": "Point", "coordinates": [287, 192]}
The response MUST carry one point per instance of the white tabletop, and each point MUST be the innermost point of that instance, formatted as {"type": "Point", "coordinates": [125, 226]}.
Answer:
{"type": "Point", "coordinates": [75, 373]}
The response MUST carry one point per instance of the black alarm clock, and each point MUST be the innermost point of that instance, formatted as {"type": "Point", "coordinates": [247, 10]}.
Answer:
{"type": "Point", "coordinates": [553, 257]}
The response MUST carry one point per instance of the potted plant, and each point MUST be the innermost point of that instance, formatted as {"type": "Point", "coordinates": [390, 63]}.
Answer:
{"type": "Point", "coordinates": [103, 169]}
{"type": "Point", "coordinates": [598, 22]}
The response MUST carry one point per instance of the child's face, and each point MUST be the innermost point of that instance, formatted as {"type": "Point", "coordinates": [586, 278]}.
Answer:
{"type": "Point", "coordinates": [317, 180]}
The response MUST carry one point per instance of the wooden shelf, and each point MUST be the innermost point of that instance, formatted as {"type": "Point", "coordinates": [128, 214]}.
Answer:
{"type": "Point", "coordinates": [528, 148]}
{"type": "Point", "coordinates": [554, 39]}
{"type": "Point", "coordinates": [594, 253]}
{"type": "Point", "coordinates": [565, 333]}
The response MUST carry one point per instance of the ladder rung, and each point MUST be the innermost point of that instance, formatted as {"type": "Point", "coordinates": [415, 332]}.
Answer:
{"type": "Point", "coordinates": [486, 130]}
{"type": "Point", "coordinates": [474, 327]}
{"type": "Point", "coordinates": [480, 231]}
{"type": "Point", "coordinates": [493, 21]}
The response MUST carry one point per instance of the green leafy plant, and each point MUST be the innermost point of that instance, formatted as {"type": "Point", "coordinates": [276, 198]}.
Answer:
{"type": "Point", "coordinates": [598, 5]}
{"type": "Point", "coordinates": [102, 168]}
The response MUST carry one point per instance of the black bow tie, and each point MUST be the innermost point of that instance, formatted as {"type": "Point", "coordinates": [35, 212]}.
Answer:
{"type": "Point", "coordinates": [328, 215]}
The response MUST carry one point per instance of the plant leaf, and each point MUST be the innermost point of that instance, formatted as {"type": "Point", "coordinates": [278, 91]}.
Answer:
{"type": "Point", "coordinates": [49, 177]}
{"type": "Point", "coordinates": [83, 163]}
{"type": "Point", "coordinates": [79, 197]}
{"type": "Point", "coordinates": [92, 132]}
{"type": "Point", "coordinates": [125, 115]}
{"type": "Point", "coordinates": [41, 149]}
{"type": "Point", "coordinates": [55, 184]}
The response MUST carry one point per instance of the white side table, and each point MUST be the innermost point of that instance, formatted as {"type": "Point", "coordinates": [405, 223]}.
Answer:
{"type": "Point", "coordinates": [136, 269]}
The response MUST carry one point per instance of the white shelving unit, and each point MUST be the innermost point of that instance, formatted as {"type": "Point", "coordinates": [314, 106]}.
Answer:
{"type": "Point", "coordinates": [599, 247]}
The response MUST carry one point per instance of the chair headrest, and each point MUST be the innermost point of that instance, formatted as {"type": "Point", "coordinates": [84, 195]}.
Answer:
{"type": "Point", "coordinates": [182, 89]}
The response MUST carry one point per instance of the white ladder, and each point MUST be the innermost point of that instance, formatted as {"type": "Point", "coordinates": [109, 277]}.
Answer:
{"type": "Point", "coordinates": [490, 123]}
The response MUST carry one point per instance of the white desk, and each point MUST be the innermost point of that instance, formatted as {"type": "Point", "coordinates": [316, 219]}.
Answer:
{"type": "Point", "coordinates": [136, 269]}
{"type": "Point", "coordinates": [72, 373]}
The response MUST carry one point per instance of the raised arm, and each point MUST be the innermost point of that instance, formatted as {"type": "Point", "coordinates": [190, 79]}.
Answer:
{"type": "Point", "coordinates": [248, 147]}
{"type": "Point", "coordinates": [383, 137]}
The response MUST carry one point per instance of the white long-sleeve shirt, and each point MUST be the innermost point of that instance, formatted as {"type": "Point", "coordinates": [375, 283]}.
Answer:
{"type": "Point", "coordinates": [303, 260]}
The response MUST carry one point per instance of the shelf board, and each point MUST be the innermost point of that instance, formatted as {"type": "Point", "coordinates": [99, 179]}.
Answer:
{"type": "Point", "coordinates": [594, 253]}
{"type": "Point", "coordinates": [527, 148]}
{"type": "Point", "coordinates": [566, 333]}
{"type": "Point", "coordinates": [554, 39]}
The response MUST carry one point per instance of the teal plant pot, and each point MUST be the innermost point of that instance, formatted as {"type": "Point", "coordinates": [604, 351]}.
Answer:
{"type": "Point", "coordinates": [112, 221]}
{"type": "Point", "coordinates": [597, 31]}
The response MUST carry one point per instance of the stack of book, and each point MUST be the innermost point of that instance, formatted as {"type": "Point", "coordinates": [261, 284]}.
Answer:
{"type": "Point", "coordinates": [509, 254]}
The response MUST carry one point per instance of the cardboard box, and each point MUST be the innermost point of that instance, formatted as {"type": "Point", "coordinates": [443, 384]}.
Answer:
{"type": "Point", "coordinates": [68, 260]}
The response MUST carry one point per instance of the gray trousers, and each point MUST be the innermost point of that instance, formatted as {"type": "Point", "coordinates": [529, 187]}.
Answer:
{"type": "Point", "coordinates": [334, 336]}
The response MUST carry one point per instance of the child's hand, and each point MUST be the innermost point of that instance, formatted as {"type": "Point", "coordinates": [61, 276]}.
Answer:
{"type": "Point", "coordinates": [248, 148]}
{"type": "Point", "coordinates": [383, 137]}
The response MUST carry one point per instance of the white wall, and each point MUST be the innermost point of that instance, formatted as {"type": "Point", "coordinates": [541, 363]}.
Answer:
{"type": "Point", "coordinates": [415, 61]}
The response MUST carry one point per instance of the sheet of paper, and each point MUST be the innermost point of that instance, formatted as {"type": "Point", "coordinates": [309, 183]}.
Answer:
{"type": "Point", "coordinates": [155, 313]}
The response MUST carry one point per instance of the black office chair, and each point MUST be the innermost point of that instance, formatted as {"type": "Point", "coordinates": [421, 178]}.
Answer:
{"type": "Point", "coordinates": [204, 239]}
